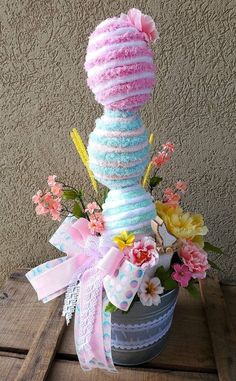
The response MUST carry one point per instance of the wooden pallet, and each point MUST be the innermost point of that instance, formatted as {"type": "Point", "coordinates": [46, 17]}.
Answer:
{"type": "Point", "coordinates": [36, 345]}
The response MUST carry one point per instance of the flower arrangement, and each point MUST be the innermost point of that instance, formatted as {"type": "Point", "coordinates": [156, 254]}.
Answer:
{"type": "Point", "coordinates": [179, 264]}
{"type": "Point", "coordinates": [127, 247]}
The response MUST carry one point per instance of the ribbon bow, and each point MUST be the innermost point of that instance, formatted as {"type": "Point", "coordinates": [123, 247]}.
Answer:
{"type": "Point", "coordinates": [104, 275]}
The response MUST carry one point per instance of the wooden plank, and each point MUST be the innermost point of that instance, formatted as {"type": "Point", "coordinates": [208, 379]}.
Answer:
{"type": "Point", "coordinates": [43, 348]}
{"type": "Point", "coordinates": [9, 368]}
{"type": "Point", "coordinates": [221, 330]}
{"type": "Point", "coordinates": [21, 316]}
{"type": "Point", "coordinates": [229, 293]}
{"type": "Point", "coordinates": [70, 370]}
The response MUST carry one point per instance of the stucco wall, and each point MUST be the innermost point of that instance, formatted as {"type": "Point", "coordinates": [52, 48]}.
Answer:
{"type": "Point", "coordinates": [44, 95]}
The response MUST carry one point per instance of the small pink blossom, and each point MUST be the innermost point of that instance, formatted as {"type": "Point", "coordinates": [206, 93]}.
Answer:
{"type": "Point", "coordinates": [50, 201]}
{"type": "Point", "coordinates": [143, 23]}
{"type": "Point", "coordinates": [181, 186]}
{"type": "Point", "coordinates": [150, 290]}
{"type": "Point", "coordinates": [160, 159]}
{"type": "Point", "coordinates": [40, 209]}
{"type": "Point", "coordinates": [182, 275]}
{"type": "Point", "coordinates": [195, 259]}
{"type": "Point", "coordinates": [143, 253]}
{"type": "Point", "coordinates": [57, 190]}
{"type": "Point", "coordinates": [55, 215]}
{"type": "Point", "coordinates": [169, 147]}
{"type": "Point", "coordinates": [92, 207]}
{"type": "Point", "coordinates": [51, 180]}
{"type": "Point", "coordinates": [96, 223]}
{"type": "Point", "coordinates": [36, 198]}
{"type": "Point", "coordinates": [170, 197]}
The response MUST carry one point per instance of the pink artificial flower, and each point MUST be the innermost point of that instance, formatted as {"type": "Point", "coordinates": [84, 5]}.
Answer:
{"type": "Point", "coordinates": [143, 23]}
{"type": "Point", "coordinates": [195, 259]}
{"type": "Point", "coordinates": [51, 180]}
{"type": "Point", "coordinates": [91, 207]}
{"type": "Point", "coordinates": [49, 202]}
{"type": "Point", "coordinates": [47, 198]}
{"type": "Point", "coordinates": [96, 223]}
{"type": "Point", "coordinates": [40, 209]}
{"type": "Point", "coordinates": [160, 159]}
{"type": "Point", "coordinates": [181, 186]}
{"type": "Point", "coordinates": [170, 197]}
{"type": "Point", "coordinates": [143, 253]}
{"type": "Point", "coordinates": [57, 190]}
{"type": "Point", "coordinates": [169, 147]}
{"type": "Point", "coordinates": [150, 290]}
{"type": "Point", "coordinates": [182, 275]}
{"type": "Point", "coordinates": [55, 215]}
{"type": "Point", "coordinates": [37, 197]}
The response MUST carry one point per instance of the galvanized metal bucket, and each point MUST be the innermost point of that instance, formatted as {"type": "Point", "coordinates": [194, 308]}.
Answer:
{"type": "Point", "coordinates": [140, 335]}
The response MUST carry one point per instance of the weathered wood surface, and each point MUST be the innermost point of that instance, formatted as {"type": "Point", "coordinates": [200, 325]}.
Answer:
{"type": "Point", "coordinates": [64, 370]}
{"type": "Point", "coordinates": [221, 329]}
{"type": "Point", "coordinates": [189, 354]}
{"type": "Point", "coordinates": [43, 348]}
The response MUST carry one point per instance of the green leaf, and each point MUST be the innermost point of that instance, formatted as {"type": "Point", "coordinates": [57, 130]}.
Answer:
{"type": "Point", "coordinates": [161, 273]}
{"type": "Point", "coordinates": [170, 284]}
{"type": "Point", "coordinates": [105, 193]}
{"type": "Point", "coordinates": [77, 211]}
{"type": "Point", "coordinates": [70, 194]}
{"type": "Point", "coordinates": [213, 265]}
{"type": "Point", "coordinates": [165, 277]}
{"type": "Point", "coordinates": [111, 308]}
{"type": "Point", "coordinates": [193, 290]}
{"type": "Point", "coordinates": [209, 247]}
{"type": "Point", "coordinates": [154, 181]}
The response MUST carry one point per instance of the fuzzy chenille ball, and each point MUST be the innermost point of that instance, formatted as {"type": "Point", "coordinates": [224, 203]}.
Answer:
{"type": "Point", "coordinates": [119, 61]}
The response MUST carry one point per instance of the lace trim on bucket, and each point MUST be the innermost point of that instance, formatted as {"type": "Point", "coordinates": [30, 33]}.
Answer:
{"type": "Point", "coordinates": [137, 336]}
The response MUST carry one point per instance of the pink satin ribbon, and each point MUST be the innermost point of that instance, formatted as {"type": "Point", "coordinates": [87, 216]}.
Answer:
{"type": "Point", "coordinates": [91, 350]}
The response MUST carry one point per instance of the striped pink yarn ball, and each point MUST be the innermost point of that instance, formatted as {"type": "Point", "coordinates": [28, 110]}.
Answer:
{"type": "Point", "coordinates": [119, 64]}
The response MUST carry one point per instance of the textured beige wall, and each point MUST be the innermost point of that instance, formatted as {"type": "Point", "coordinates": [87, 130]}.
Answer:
{"type": "Point", "coordinates": [44, 95]}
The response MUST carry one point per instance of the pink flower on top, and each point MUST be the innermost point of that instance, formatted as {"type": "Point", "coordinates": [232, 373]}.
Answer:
{"type": "Point", "coordinates": [182, 275]}
{"type": "Point", "coordinates": [181, 186]}
{"type": "Point", "coordinates": [51, 180]}
{"type": "Point", "coordinates": [143, 253]}
{"type": "Point", "coordinates": [170, 197]}
{"type": "Point", "coordinates": [160, 159]}
{"type": "Point", "coordinates": [195, 259]}
{"type": "Point", "coordinates": [169, 147]}
{"type": "Point", "coordinates": [92, 207]}
{"type": "Point", "coordinates": [143, 23]}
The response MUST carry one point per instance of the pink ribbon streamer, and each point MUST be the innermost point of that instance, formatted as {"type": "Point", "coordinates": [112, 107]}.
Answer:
{"type": "Point", "coordinates": [89, 258]}
{"type": "Point", "coordinates": [90, 330]}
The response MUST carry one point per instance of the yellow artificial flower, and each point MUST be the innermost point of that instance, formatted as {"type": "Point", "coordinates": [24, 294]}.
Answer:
{"type": "Point", "coordinates": [199, 241]}
{"type": "Point", "coordinates": [180, 224]}
{"type": "Point", "coordinates": [124, 239]}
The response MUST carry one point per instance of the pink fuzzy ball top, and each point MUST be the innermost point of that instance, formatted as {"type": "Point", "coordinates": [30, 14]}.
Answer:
{"type": "Point", "coordinates": [119, 61]}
